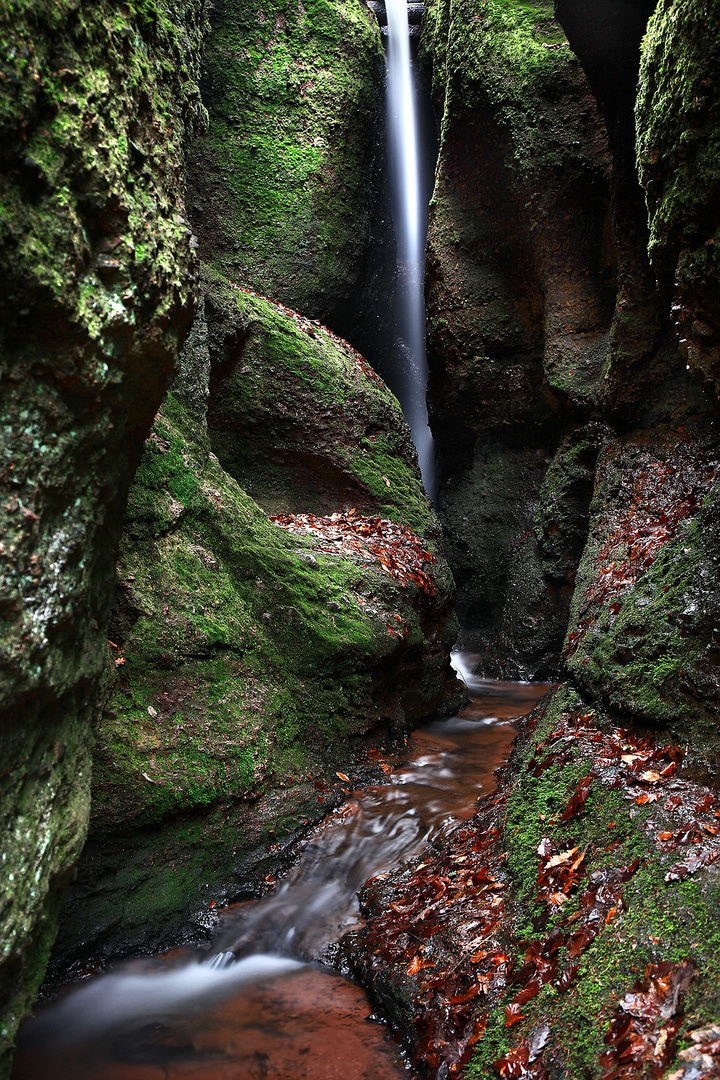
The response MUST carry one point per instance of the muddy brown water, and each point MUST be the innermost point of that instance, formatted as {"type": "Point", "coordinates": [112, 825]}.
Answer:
{"type": "Point", "coordinates": [260, 1004]}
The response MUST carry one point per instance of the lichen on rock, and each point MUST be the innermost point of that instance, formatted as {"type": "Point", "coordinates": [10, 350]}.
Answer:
{"type": "Point", "coordinates": [284, 184]}
{"type": "Point", "coordinates": [678, 148]}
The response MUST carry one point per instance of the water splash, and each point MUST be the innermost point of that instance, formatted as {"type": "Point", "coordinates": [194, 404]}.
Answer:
{"type": "Point", "coordinates": [409, 215]}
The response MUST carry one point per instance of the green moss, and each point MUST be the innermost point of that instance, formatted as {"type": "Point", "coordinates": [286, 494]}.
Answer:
{"type": "Point", "coordinates": [296, 159]}
{"type": "Point", "coordinates": [678, 119]}
{"type": "Point", "coordinates": [97, 104]}
{"type": "Point", "coordinates": [660, 921]}
{"type": "Point", "coordinates": [649, 651]}
{"type": "Point", "coordinates": [300, 420]}
{"type": "Point", "coordinates": [495, 55]}
{"type": "Point", "coordinates": [242, 644]}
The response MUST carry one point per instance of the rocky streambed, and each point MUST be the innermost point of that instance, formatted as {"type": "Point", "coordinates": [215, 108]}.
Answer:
{"type": "Point", "coordinates": [265, 997]}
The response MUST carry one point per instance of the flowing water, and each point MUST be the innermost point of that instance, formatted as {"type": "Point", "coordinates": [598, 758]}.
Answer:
{"type": "Point", "coordinates": [260, 1004]}
{"type": "Point", "coordinates": [410, 218]}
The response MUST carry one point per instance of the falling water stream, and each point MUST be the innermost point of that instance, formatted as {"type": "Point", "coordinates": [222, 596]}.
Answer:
{"type": "Point", "coordinates": [410, 217]}
{"type": "Point", "coordinates": [260, 1003]}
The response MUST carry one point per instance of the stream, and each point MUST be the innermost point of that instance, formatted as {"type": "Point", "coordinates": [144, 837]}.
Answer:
{"type": "Point", "coordinates": [260, 1003]}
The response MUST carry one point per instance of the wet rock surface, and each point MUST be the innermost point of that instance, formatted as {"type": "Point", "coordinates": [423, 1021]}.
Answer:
{"type": "Point", "coordinates": [286, 183]}
{"type": "Point", "coordinates": [98, 277]}
{"type": "Point", "coordinates": [521, 278]}
{"type": "Point", "coordinates": [569, 928]}
{"type": "Point", "coordinates": [253, 659]}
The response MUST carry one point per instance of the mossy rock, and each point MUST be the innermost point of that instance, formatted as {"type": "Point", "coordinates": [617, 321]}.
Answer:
{"type": "Point", "coordinates": [642, 635]}
{"type": "Point", "coordinates": [97, 104]}
{"type": "Point", "coordinates": [285, 182]}
{"type": "Point", "coordinates": [301, 421]}
{"type": "Point", "coordinates": [678, 148]}
{"type": "Point", "coordinates": [657, 920]}
{"type": "Point", "coordinates": [562, 513]}
{"type": "Point", "coordinates": [246, 657]}
{"type": "Point", "coordinates": [520, 271]}
{"type": "Point", "coordinates": [510, 617]}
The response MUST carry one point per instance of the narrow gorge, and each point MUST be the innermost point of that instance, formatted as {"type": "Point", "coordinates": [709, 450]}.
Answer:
{"type": "Point", "coordinates": [326, 692]}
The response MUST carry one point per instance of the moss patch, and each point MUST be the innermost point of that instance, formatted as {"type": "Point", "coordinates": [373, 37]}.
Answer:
{"type": "Point", "coordinates": [246, 659]}
{"type": "Point", "coordinates": [300, 420]}
{"type": "Point", "coordinates": [285, 176]}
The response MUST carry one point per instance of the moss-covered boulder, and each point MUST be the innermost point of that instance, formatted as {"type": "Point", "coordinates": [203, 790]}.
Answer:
{"type": "Point", "coordinates": [253, 662]}
{"type": "Point", "coordinates": [571, 927]}
{"type": "Point", "coordinates": [643, 634]}
{"type": "Point", "coordinates": [678, 147]}
{"type": "Point", "coordinates": [299, 418]}
{"type": "Point", "coordinates": [96, 262]}
{"type": "Point", "coordinates": [286, 181]}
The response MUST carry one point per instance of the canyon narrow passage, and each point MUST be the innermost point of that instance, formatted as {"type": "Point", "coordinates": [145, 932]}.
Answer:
{"type": "Point", "coordinates": [263, 1001]}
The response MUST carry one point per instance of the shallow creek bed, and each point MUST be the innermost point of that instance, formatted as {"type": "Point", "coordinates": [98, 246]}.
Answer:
{"type": "Point", "coordinates": [271, 997]}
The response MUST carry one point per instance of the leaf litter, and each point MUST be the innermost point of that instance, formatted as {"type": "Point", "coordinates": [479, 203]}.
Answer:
{"type": "Point", "coordinates": [449, 925]}
{"type": "Point", "coordinates": [399, 551]}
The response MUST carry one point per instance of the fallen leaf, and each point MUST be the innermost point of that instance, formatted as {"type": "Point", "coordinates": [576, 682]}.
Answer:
{"type": "Point", "coordinates": [563, 857]}
{"type": "Point", "coordinates": [513, 1014]}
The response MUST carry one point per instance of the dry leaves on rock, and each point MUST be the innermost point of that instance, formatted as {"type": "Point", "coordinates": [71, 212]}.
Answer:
{"type": "Point", "coordinates": [398, 550]}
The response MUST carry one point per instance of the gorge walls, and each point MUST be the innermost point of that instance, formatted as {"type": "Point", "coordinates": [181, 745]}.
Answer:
{"type": "Point", "coordinates": [571, 927]}
{"type": "Point", "coordinates": [98, 292]}
{"type": "Point", "coordinates": [551, 303]}
{"type": "Point", "coordinates": [250, 663]}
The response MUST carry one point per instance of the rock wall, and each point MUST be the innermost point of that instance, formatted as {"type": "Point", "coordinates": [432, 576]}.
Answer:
{"type": "Point", "coordinates": [520, 290]}
{"type": "Point", "coordinates": [547, 326]}
{"type": "Point", "coordinates": [97, 265]}
{"type": "Point", "coordinates": [571, 927]}
{"type": "Point", "coordinates": [287, 182]}
{"type": "Point", "coordinates": [252, 663]}
{"type": "Point", "coordinates": [677, 146]}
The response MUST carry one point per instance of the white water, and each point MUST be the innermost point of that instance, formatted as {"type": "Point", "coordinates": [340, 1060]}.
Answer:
{"type": "Point", "coordinates": [410, 228]}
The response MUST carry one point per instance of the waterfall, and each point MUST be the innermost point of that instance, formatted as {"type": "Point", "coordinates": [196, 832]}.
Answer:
{"type": "Point", "coordinates": [409, 215]}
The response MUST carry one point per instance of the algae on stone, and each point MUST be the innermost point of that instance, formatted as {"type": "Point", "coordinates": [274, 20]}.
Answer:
{"type": "Point", "coordinates": [301, 421]}
{"type": "Point", "coordinates": [678, 148]}
{"type": "Point", "coordinates": [247, 658]}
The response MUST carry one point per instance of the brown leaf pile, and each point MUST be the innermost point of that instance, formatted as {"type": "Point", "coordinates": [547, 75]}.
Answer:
{"type": "Point", "coordinates": [398, 550]}
{"type": "Point", "coordinates": [647, 772]}
{"type": "Point", "coordinates": [441, 932]}
{"type": "Point", "coordinates": [641, 1035]}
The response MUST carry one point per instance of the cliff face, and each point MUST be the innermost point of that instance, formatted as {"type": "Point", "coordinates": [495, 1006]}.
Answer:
{"type": "Point", "coordinates": [284, 186]}
{"type": "Point", "coordinates": [97, 268]}
{"type": "Point", "coordinates": [574, 927]}
{"type": "Point", "coordinates": [548, 333]}
{"type": "Point", "coordinates": [521, 274]}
